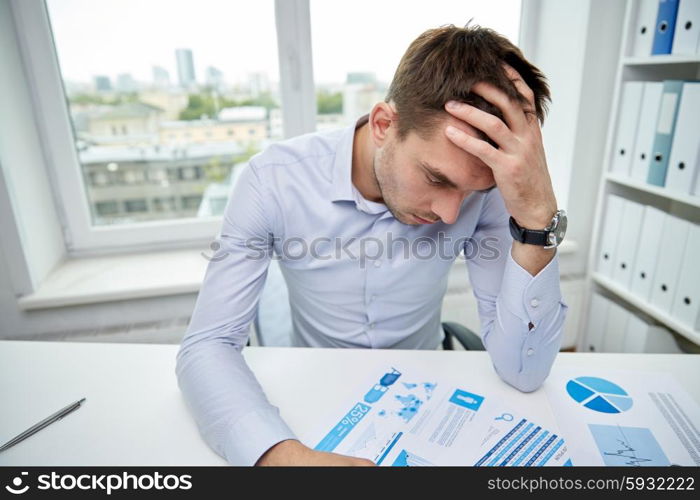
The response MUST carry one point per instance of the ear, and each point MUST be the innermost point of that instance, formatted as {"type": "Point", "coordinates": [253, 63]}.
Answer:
{"type": "Point", "coordinates": [382, 122]}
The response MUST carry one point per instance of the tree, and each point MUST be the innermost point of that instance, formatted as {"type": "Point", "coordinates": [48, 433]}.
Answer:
{"type": "Point", "coordinates": [198, 105]}
{"type": "Point", "coordinates": [327, 103]}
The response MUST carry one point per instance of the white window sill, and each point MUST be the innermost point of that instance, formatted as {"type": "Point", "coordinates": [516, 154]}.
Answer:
{"type": "Point", "coordinates": [92, 280]}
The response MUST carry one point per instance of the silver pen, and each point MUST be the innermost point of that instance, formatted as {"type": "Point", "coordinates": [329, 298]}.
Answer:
{"type": "Point", "coordinates": [38, 426]}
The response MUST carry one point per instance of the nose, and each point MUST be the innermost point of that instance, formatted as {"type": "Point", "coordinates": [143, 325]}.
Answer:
{"type": "Point", "coordinates": [447, 206]}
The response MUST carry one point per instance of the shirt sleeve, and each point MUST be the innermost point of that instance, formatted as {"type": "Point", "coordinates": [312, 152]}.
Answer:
{"type": "Point", "coordinates": [228, 404]}
{"type": "Point", "coordinates": [510, 300]}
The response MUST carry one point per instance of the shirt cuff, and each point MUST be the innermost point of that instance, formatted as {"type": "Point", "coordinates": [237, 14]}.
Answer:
{"type": "Point", "coordinates": [253, 434]}
{"type": "Point", "coordinates": [529, 297]}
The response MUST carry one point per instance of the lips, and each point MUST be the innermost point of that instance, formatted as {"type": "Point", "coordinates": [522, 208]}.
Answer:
{"type": "Point", "coordinates": [423, 221]}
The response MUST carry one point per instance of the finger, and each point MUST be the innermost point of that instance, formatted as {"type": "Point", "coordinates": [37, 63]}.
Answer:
{"type": "Point", "coordinates": [476, 147]}
{"type": "Point", "coordinates": [520, 86]}
{"type": "Point", "coordinates": [512, 110]}
{"type": "Point", "coordinates": [489, 124]}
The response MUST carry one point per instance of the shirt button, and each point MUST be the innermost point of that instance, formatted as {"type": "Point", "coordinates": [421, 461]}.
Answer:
{"type": "Point", "coordinates": [534, 302]}
{"type": "Point", "coordinates": [371, 298]}
{"type": "Point", "coordinates": [371, 325]}
{"type": "Point", "coordinates": [530, 351]}
{"type": "Point", "coordinates": [377, 263]}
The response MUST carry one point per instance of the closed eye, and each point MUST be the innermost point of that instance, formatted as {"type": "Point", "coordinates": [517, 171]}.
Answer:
{"type": "Point", "coordinates": [485, 190]}
{"type": "Point", "coordinates": [432, 181]}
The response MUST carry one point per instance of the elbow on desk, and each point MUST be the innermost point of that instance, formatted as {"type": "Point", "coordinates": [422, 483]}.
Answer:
{"type": "Point", "coordinates": [524, 382]}
{"type": "Point", "coordinates": [196, 345]}
{"type": "Point", "coordinates": [529, 385]}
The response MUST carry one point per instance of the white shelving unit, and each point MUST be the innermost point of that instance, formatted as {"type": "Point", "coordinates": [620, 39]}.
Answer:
{"type": "Point", "coordinates": [686, 206]}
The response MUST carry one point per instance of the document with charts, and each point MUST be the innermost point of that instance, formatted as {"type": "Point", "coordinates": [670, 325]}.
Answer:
{"type": "Point", "coordinates": [403, 419]}
{"type": "Point", "coordinates": [624, 417]}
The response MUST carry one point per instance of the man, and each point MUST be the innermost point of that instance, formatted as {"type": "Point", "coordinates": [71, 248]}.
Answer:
{"type": "Point", "coordinates": [414, 170]}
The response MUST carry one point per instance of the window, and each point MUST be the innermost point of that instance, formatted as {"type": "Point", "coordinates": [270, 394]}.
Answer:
{"type": "Point", "coordinates": [352, 70]}
{"type": "Point", "coordinates": [110, 79]}
{"type": "Point", "coordinates": [164, 204]}
{"type": "Point", "coordinates": [99, 178]}
{"type": "Point", "coordinates": [191, 202]}
{"type": "Point", "coordinates": [148, 102]}
{"type": "Point", "coordinates": [135, 205]}
{"type": "Point", "coordinates": [107, 207]}
{"type": "Point", "coordinates": [187, 173]}
{"type": "Point", "coordinates": [134, 176]}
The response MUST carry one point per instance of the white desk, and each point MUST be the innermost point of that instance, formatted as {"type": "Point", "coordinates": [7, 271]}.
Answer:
{"type": "Point", "coordinates": [135, 414]}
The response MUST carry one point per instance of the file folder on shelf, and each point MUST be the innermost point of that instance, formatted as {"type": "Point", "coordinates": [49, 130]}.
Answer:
{"type": "Point", "coordinates": [627, 127]}
{"type": "Point", "coordinates": [648, 252]}
{"type": "Point", "coordinates": [648, 338]}
{"type": "Point", "coordinates": [668, 265]}
{"type": "Point", "coordinates": [597, 316]}
{"type": "Point", "coordinates": [627, 242]}
{"type": "Point", "coordinates": [615, 328]}
{"type": "Point", "coordinates": [612, 215]}
{"type": "Point", "coordinates": [686, 302]}
{"type": "Point", "coordinates": [685, 40]}
{"type": "Point", "coordinates": [665, 126]}
{"type": "Point", "coordinates": [685, 148]}
{"type": "Point", "coordinates": [647, 12]}
{"type": "Point", "coordinates": [646, 130]}
{"type": "Point", "coordinates": [665, 27]}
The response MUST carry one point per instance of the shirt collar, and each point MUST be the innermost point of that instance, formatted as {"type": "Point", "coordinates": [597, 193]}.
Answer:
{"type": "Point", "coordinates": [342, 188]}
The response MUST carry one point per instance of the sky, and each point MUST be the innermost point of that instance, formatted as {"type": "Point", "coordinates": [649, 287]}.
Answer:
{"type": "Point", "coordinates": [108, 37]}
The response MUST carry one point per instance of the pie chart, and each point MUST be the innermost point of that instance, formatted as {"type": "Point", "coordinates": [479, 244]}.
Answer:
{"type": "Point", "coordinates": [598, 394]}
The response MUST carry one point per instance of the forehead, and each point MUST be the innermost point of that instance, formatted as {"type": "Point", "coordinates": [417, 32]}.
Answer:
{"type": "Point", "coordinates": [442, 154]}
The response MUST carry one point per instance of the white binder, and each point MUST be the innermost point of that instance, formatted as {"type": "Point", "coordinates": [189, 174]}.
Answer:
{"type": "Point", "coordinates": [668, 266]}
{"type": "Point", "coordinates": [649, 338]}
{"type": "Point", "coordinates": [644, 28]}
{"type": "Point", "coordinates": [646, 130]}
{"type": "Point", "coordinates": [608, 238]}
{"type": "Point", "coordinates": [686, 302]}
{"type": "Point", "coordinates": [685, 38]}
{"type": "Point", "coordinates": [615, 328]}
{"type": "Point", "coordinates": [648, 252]}
{"type": "Point", "coordinates": [628, 242]}
{"type": "Point", "coordinates": [627, 121]}
{"type": "Point", "coordinates": [597, 316]}
{"type": "Point", "coordinates": [685, 150]}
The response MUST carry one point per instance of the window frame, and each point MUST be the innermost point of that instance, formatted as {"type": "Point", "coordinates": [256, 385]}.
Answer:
{"type": "Point", "coordinates": [52, 116]}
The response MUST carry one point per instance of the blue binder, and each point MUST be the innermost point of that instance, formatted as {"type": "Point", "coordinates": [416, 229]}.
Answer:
{"type": "Point", "coordinates": [665, 126]}
{"type": "Point", "coordinates": [665, 27]}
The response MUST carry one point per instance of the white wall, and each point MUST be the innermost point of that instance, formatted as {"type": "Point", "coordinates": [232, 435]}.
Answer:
{"type": "Point", "coordinates": [558, 48]}
{"type": "Point", "coordinates": [576, 44]}
{"type": "Point", "coordinates": [32, 221]}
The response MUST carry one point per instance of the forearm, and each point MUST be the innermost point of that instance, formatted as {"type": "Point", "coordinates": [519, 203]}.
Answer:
{"type": "Point", "coordinates": [229, 405]}
{"type": "Point", "coordinates": [532, 258]}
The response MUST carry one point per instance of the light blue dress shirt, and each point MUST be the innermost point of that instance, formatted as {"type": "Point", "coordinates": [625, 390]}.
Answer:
{"type": "Point", "coordinates": [295, 202]}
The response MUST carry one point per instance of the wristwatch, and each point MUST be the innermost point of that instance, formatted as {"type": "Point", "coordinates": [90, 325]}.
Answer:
{"type": "Point", "coordinates": [549, 237]}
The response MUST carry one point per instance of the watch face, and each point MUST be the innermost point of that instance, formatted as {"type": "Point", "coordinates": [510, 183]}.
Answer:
{"type": "Point", "coordinates": [560, 230]}
{"type": "Point", "coordinates": [557, 230]}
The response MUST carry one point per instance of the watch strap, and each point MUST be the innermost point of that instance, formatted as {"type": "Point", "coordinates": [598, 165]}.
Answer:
{"type": "Point", "coordinates": [528, 236]}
